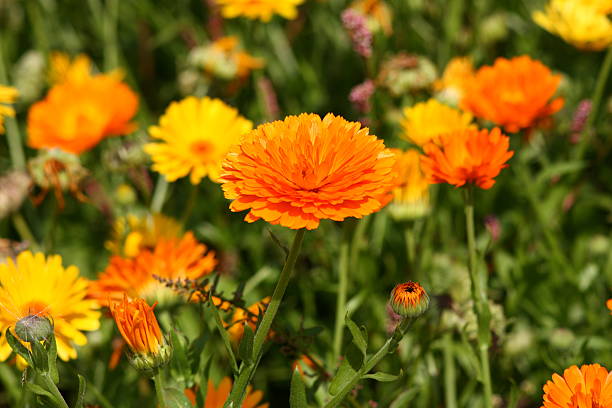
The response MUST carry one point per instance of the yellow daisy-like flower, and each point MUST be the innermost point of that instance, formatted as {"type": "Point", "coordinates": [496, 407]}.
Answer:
{"type": "Point", "coordinates": [7, 95]}
{"type": "Point", "coordinates": [259, 9]}
{"type": "Point", "coordinates": [195, 135]}
{"type": "Point", "coordinates": [133, 233]}
{"type": "Point", "coordinates": [411, 196]}
{"type": "Point", "coordinates": [35, 285]}
{"type": "Point", "coordinates": [426, 121]}
{"type": "Point", "coordinates": [63, 69]}
{"type": "Point", "coordinates": [582, 23]}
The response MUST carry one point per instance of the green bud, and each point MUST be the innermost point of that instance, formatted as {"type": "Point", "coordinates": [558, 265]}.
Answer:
{"type": "Point", "coordinates": [409, 299]}
{"type": "Point", "coordinates": [34, 328]}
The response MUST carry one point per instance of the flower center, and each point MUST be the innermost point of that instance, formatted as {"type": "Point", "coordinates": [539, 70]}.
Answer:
{"type": "Point", "coordinates": [35, 308]}
{"type": "Point", "coordinates": [201, 147]}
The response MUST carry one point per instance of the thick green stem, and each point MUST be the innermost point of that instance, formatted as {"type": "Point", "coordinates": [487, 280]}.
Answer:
{"type": "Point", "coordinates": [600, 86]}
{"type": "Point", "coordinates": [111, 47]}
{"type": "Point", "coordinates": [450, 383]}
{"type": "Point", "coordinates": [159, 194]}
{"type": "Point", "coordinates": [341, 298]}
{"type": "Point", "coordinates": [409, 237]}
{"type": "Point", "coordinates": [50, 386]}
{"type": "Point", "coordinates": [247, 369]}
{"type": "Point", "coordinates": [479, 298]}
{"type": "Point", "coordinates": [389, 347]}
{"type": "Point", "coordinates": [159, 389]}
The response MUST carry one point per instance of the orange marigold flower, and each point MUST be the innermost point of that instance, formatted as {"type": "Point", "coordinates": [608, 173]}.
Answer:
{"type": "Point", "coordinates": [609, 304]}
{"type": "Point", "coordinates": [76, 115]}
{"type": "Point", "coordinates": [411, 193]}
{"type": "Point", "coordinates": [457, 74]}
{"type": "Point", "coordinates": [216, 396]}
{"type": "Point", "coordinates": [514, 93]}
{"type": "Point", "coordinates": [63, 69]}
{"type": "Point", "coordinates": [173, 258]}
{"type": "Point", "coordinates": [140, 330]}
{"type": "Point", "coordinates": [303, 169]}
{"type": "Point", "coordinates": [468, 156]}
{"type": "Point", "coordinates": [242, 316]}
{"type": "Point", "coordinates": [587, 386]}
{"type": "Point", "coordinates": [409, 299]}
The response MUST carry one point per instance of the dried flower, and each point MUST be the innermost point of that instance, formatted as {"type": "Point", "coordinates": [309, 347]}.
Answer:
{"type": "Point", "coordinates": [361, 37]}
{"type": "Point", "coordinates": [360, 95]}
{"type": "Point", "coordinates": [14, 188]}
{"type": "Point", "coordinates": [409, 299]}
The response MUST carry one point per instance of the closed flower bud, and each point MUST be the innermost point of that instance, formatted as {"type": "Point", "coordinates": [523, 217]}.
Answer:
{"type": "Point", "coordinates": [409, 299]}
{"type": "Point", "coordinates": [34, 328]}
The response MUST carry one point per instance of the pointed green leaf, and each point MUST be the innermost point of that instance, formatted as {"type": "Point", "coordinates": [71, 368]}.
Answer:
{"type": "Point", "coordinates": [297, 398]}
{"type": "Point", "coordinates": [38, 390]}
{"type": "Point", "coordinates": [18, 347]}
{"type": "Point", "coordinates": [176, 398]}
{"type": "Point", "coordinates": [359, 335]}
{"type": "Point", "coordinates": [39, 357]}
{"type": "Point", "coordinates": [245, 351]}
{"type": "Point", "coordinates": [224, 336]}
{"type": "Point", "coordinates": [383, 377]}
{"type": "Point", "coordinates": [80, 402]}
{"type": "Point", "coordinates": [343, 375]}
{"type": "Point", "coordinates": [179, 365]}
{"type": "Point", "coordinates": [52, 358]}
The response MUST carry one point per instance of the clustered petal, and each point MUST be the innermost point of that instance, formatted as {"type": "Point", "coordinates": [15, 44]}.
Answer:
{"type": "Point", "coordinates": [468, 156]}
{"type": "Point", "coordinates": [514, 93]}
{"type": "Point", "coordinates": [411, 193]}
{"type": "Point", "coordinates": [138, 326]}
{"type": "Point", "coordinates": [587, 386]}
{"type": "Point", "coordinates": [303, 169]}
{"type": "Point", "coordinates": [216, 396]}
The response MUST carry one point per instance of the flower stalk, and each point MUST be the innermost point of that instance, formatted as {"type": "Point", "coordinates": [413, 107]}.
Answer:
{"type": "Point", "coordinates": [158, 379]}
{"type": "Point", "coordinates": [247, 368]}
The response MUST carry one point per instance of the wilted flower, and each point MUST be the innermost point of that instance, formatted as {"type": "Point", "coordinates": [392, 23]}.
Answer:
{"type": "Point", "coordinates": [14, 188]}
{"type": "Point", "coordinates": [405, 73]}
{"type": "Point", "coordinates": [259, 10]}
{"type": "Point", "coordinates": [409, 299]}
{"type": "Point", "coordinates": [426, 121]}
{"type": "Point", "coordinates": [8, 95]}
{"type": "Point", "coordinates": [587, 386]}
{"type": "Point", "coordinates": [78, 113]}
{"type": "Point", "coordinates": [361, 37]}
{"type": "Point", "coordinates": [139, 328]}
{"type": "Point", "coordinates": [45, 289]}
{"type": "Point", "coordinates": [411, 194]}
{"type": "Point", "coordinates": [468, 156]}
{"type": "Point", "coordinates": [249, 316]}
{"type": "Point", "coordinates": [304, 169]}
{"type": "Point", "coordinates": [360, 95]}
{"type": "Point", "coordinates": [456, 76]}
{"type": "Point", "coordinates": [514, 93]}
{"type": "Point", "coordinates": [195, 135]}
{"type": "Point", "coordinates": [582, 23]}
{"type": "Point", "coordinates": [173, 259]}
{"type": "Point", "coordinates": [132, 233]}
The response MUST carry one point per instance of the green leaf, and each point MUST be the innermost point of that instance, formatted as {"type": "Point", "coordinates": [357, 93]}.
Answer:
{"type": "Point", "coordinates": [559, 169]}
{"type": "Point", "coordinates": [179, 365]}
{"type": "Point", "coordinates": [38, 390]}
{"type": "Point", "coordinates": [359, 335]}
{"type": "Point", "coordinates": [39, 357]}
{"type": "Point", "coordinates": [404, 398]}
{"type": "Point", "coordinates": [176, 398]}
{"type": "Point", "coordinates": [343, 375]}
{"type": "Point", "coordinates": [80, 402]}
{"type": "Point", "coordinates": [245, 351]}
{"type": "Point", "coordinates": [52, 359]}
{"type": "Point", "coordinates": [383, 377]}
{"type": "Point", "coordinates": [18, 347]}
{"type": "Point", "coordinates": [224, 336]}
{"type": "Point", "coordinates": [297, 398]}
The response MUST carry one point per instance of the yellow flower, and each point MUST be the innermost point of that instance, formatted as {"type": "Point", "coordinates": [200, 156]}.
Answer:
{"type": "Point", "coordinates": [426, 121]}
{"type": "Point", "coordinates": [62, 69]}
{"type": "Point", "coordinates": [133, 233]}
{"type": "Point", "coordinates": [7, 95]}
{"type": "Point", "coordinates": [411, 196]}
{"type": "Point", "coordinates": [37, 286]}
{"type": "Point", "coordinates": [259, 9]}
{"type": "Point", "coordinates": [456, 75]}
{"type": "Point", "coordinates": [195, 135]}
{"type": "Point", "coordinates": [582, 23]}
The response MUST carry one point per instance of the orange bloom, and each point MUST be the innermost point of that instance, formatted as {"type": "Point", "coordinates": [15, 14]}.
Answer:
{"type": "Point", "coordinates": [468, 156]}
{"type": "Point", "coordinates": [588, 386]}
{"type": "Point", "coordinates": [411, 193]}
{"type": "Point", "coordinates": [609, 304]}
{"type": "Point", "coordinates": [241, 316]}
{"type": "Point", "coordinates": [216, 397]}
{"type": "Point", "coordinates": [172, 258]}
{"type": "Point", "coordinates": [138, 325]}
{"type": "Point", "coordinates": [76, 115]}
{"type": "Point", "coordinates": [303, 169]}
{"type": "Point", "coordinates": [409, 299]}
{"type": "Point", "coordinates": [515, 93]}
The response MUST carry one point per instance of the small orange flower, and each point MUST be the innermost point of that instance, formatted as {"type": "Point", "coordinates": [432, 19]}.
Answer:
{"type": "Point", "coordinates": [409, 299]}
{"type": "Point", "coordinates": [76, 115]}
{"type": "Point", "coordinates": [241, 316]}
{"type": "Point", "coordinates": [216, 397]}
{"type": "Point", "coordinates": [468, 156]}
{"type": "Point", "coordinates": [514, 93]}
{"type": "Point", "coordinates": [173, 258]}
{"type": "Point", "coordinates": [411, 193]}
{"type": "Point", "coordinates": [609, 304]}
{"type": "Point", "coordinates": [587, 386]}
{"type": "Point", "coordinates": [304, 169]}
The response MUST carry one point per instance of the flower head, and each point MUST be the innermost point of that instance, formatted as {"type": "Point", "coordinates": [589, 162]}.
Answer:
{"type": "Point", "coordinates": [514, 93]}
{"type": "Point", "coordinates": [195, 135]}
{"type": "Point", "coordinates": [468, 156]}
{"type": "Point", "coordinates": [582, 23]}
{"type": "Point", "coordinates": [63, 69]}
{"type": "Point", "coordinates": [587, 386]}
{"type": "Point", "coordinates": [35, 285]}
{"type": "Point", "coordinates": [609, 305]}
{"type": "Point", "coordinates": [174, 258]}
{"type": "Point", "coordinates": [455, 78]}
{"type": "Point", "coordinates": [8, 95]}
{"type": "Point", "coordinates": [409, 299]}
{"type": "Point", "coordinates": [426, 121]}
{"type": "Point", "coordinates": [411, 194]}
{"type": "Point", "coordinates": [259, 9]}
{"type": "Point", "coordinates": [133, 233]}
{"type": "Point", "coordinates": [377, 12]}
{"type": "Point", "coordinates": [242, 316]}
{"type": "Point", "coordinates": [76, 115]}
{"type": "Point", "coordinates": [139, 328]}
{"type": "Point", "coordinates": [216, 396]}
{"type": "Point", "coordinates": [303, 169]}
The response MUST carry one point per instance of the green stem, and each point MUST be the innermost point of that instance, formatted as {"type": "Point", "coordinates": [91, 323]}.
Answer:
{"type": "Point", "coordinates": [389, 347]}
{"type": "Point", "coordinates": [159, 389]}
{"type": "Point", "coordinates": [111, 49]}
{"type": "Point", "coordinates": [247, 369]}
{"type": "Point", "coordinates": [193, 195]}
{"type": "Point", "coordinates": [159, 195]}
{"type": "Point", "coordinates": [450, 376]}
{"type": "Point", "coordinates": [479, 298]}
{"type": "Point", "coordinates": [341, 298]}
{"type": "Point", "coordinates": [600, 86]}
{"type": "Point", "coordinates": [24, 231]}
{"type": "Point", "coordinates": [52, 388]}
{"type": "Point", "coordinates": [13, 135]}
{"type": "Point", "coordinates": [410, 246]}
